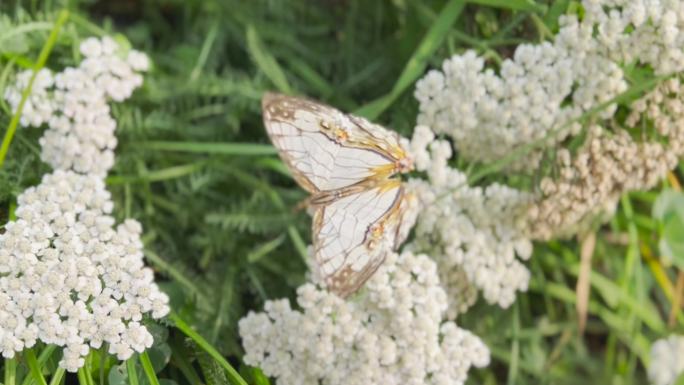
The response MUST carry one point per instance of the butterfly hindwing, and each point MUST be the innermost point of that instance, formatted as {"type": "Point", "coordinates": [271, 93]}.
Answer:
{"type": "Point", "coordinates": [353, 234]}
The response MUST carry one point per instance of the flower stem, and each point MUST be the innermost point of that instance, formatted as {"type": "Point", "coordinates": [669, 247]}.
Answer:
{"type": "Point", "coordinates": [82, 378]}
{"type": "Point", "coordinates": [10, 371]}
{"type": "Point", "coordinates": [89, 369]}
{"type": "Point", "coordinates": [37, 66]}
{"type": "Point", "coordinates": [34, 367]}
{"type": "Point", "coordinates": [199, 340]}
{"type": "Point", "coordinates": [132, 373]}
{"type": "Point", "coordinates": [148, 368]}
{"type": "Point", "coordinates": [57, 377]}
{"type": "Point", "coordinates": [42, 359]}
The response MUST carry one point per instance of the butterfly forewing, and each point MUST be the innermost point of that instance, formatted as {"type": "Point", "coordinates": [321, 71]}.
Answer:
{"type": "Point", "coordinates": [325, 149]}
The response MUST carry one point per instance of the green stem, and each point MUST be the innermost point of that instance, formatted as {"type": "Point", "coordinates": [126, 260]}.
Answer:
{"type": "Point", "coordinates": [132, 372]}
{"type": "Point", "coordinates": [10, 371]}
{"type": "Point", "coordinates": [89, 369]}
{"type": "Point", "coordinates": [515, 346]}
{"type": "Point", "coordinates": [42, 359]}
{"type": "Point", "coordinates": [90, 27]}
{"type": "Point", "coordinates": [57, 377]}
{"type": "Point", "coordinates": [82, 378]}
{"type": "Point", "coordinates": [42, 59]}
{"type": "Point", "coordinates": [199, 340]}
{"type": "Point", "coordinates": [418, 62]}
{"type": "Point", "coordinates": [148, 368]}
{"type": "Point", "coordinates": [34, 368]}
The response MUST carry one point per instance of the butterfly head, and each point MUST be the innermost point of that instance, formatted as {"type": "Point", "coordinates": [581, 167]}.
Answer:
{"type": "Point", "coordinates": [404, 165]}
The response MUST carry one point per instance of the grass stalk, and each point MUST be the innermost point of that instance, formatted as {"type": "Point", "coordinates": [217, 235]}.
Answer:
{"type": "Point", "coordinates": [132, 371]}
{"type": "Point", "coordinates": [34, 367]}
{"type": "Point", "coordinates": [417, 64]}
{"type": "Point", "coordinates": [148, 368]}
{"type": "Point", "coordinates": [39, 64]}
{"type": "Point", "coordinates": [10, 371]}
{"type": "Point", "coordinates": [202, 343]}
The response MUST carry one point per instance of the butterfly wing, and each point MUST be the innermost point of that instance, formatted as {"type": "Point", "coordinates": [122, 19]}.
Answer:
{"type": "Point", "coordinates": [327, 150]}
{"type": "Point", "coordinates": [353, 234]}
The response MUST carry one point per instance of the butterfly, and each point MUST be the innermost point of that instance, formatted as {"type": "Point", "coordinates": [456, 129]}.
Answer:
{"type": "Point", "coordinates": [346, 163]}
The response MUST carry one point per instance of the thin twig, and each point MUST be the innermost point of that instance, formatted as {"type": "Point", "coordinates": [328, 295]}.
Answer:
{"type": "Point", "coordinates": [582, 290]}
{"type": "Point", "coordinates": [677, 300]}
{"type": "Point", "coordinates": [679, 290]}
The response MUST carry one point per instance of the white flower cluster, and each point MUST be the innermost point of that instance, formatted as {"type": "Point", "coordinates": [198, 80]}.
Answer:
{"type": "Point", "coordinates": [393, 334]}
{"type": "Point", "coordinates": [591, 182]}
{"type": "Point", "coordinates": [39, 106]}
{"type": "Point", "coordinates": [667, 360]}
{"type": "Point", "coordinates": [68, 276]}
{"type": "Point", "coordinates": [73, 103]}
{"type": "Point", "coordinates": [649, 32]}
{"type": "Point", "coordinates": [539, 92]}
{"type": "Point", "coordinates": [473, 233]}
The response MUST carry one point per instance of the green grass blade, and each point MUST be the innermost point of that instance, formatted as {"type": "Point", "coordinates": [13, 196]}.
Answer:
{"type": "Point", "coordinates": [34, 368]}
{"type": "Point", "coordinates": [199, 340]}
{"type": "Point", "coordinates": [222, 317]}
{"type": "Point", "coordinates": [515, 346]}
{"type": "Point", "coordinates": [264, 249]}
{"type": "Point", "coordinates": [680, 380]}
{"type": "Point", "coordinates": [204, 53]}
{"type": "Point", "coordinates": [298, 243]}
{"type": "Point", "coordinates": [57, 376]}
{"type": "Point", "coordinates": [148, 368]}
{"type": "Point", "coordinates": [614, 295]}
{"type": "Point", "coordinates": [178, 276]}
{"type": "Point", "coordinates": [40, 63]}
{"type": "Point", "coordinates": [311, 77]}
{"type": "Point", "coordinates": [168, 173]}
{"type": "Point", "coordinates": [24, 29]}
{"type": "Point", "coordinates": [266, 63]}
{"type": "Point", "coordinates": [513, 5]}
{"type": "Point", "coordinates": [132, 371]}
{"type": "Point", "coordinates": [88, 370]}
{"type": "Point", "coordinates": [632, 92]}
{"type": "Point", "coordinates": [4, 75]}
{"type": "Point", "coordinates": [417, 64]}
{"type": "Point", "coordinates": [83, 379]}
{"type": "Point", "coordinates": [10, 371]}
{"type": "Point", "coordinates": [42, 359]}
{"type": "Point", "coordinates": [237, 149]}
{"type": "Point", "coordinates": [181, 359]}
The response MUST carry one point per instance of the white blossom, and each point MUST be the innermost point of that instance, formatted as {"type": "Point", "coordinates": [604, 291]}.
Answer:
{"type": "Point", "coordinates": [74, 105]}
{"type": "Point", "coordinates": [40, 105]}
{"type": "Point", "coordinates": [590, 182]}
{"type": "Point", "coordinates": [394, 333]}
{"type": "Point", "coordinates": [666, 361]}
{"type": "Point", "coordinates": [473, 233]}
{"type": "Point", "coordinates": [543, 88]}
{"type": "Point", "coordinates": [70, 277]}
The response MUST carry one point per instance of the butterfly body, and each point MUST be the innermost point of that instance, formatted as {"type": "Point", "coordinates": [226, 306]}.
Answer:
{"type": "Point", "coordinates": [346, 163]}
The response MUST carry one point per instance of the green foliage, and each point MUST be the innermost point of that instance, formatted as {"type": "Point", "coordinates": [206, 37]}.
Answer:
{"type": "Point", "coordinates": [195, 167]}
{"type": "Point", "coordinates": [668, 210]}
{"type": "Point", "coordinates": [680, 380]}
